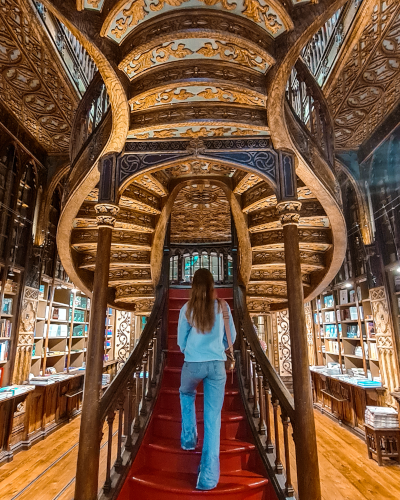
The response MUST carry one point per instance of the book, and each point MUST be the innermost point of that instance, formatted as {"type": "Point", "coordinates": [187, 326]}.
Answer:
{"type": "Point", "coordinates": [353, 313]}
{"type": "Point", "coordinates": [370, 330]}
{"type": "Point", "coordinates": [328, 301]}
{"type": "Point", "coordinates": [352, 296]}
{"type": "Point", "coordinates": [343, 297]}
{"type": "Point", "coordinates": [7, 306]}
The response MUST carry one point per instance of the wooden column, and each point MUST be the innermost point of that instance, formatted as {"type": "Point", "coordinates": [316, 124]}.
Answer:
{"type": "Point", "coordinates": [87, 473]}
{"type": "Point", "coordinates": [304, 428]}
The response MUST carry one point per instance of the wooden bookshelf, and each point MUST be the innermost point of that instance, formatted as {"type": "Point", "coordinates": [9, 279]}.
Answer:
{"type": "Point", "coordinates": [62, 329]}
{"type": "Point", "coordinates": [343, 318]}
{"type": "Point", "coordinates": [8, 316]}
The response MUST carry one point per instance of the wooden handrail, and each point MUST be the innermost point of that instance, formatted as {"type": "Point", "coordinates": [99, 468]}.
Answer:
{"type": "Point", "coordinates": [84, 125]}
{"type": "Point", "coordinates": [132, 393]}
{"type": "Point", "coordinates": [268, 403]}
{"type": "Point", "coordinates": [274, 380]}
{"type": "Point", "coordinates": [308, 103]}
{"type": "Point", "coordinates": [120, 380]}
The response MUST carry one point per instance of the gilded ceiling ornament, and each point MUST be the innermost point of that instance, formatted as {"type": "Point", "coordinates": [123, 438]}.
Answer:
{"type": "Point", "coordinates": [94, 3]}
{"type": "Point", "coordinates": [226, 95]}
{"type": "Point", "coordinates": [158, 55]}
{"type": "Point", "coordinates": [262, 14]}
{"type": "Point", "coordinates": [162, 134]}
{"type": "Point", "coordinates": [229, 51]}
{"type": "Point", "coordinates": [163, 97]}
{"type": "Point", "coordinates": [196, 167]}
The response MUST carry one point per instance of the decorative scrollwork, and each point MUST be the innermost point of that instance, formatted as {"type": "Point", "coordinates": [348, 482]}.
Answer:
{"type": "Point", "coordinates": [289, 212]}
{"type": "Point", "coordinates": [106, 214]}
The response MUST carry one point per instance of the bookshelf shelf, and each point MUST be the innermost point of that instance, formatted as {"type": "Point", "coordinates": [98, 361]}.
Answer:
{"type": "Point", "coordinates": [353, 322]}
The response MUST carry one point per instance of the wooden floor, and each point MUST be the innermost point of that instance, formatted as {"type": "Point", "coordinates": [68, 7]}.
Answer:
{"type": "Point", "coordinates": [47, 470]}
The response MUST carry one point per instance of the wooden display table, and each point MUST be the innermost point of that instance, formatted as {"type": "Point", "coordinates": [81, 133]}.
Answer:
{"type": "Point", "coordinates": [345, 400]}
{"type": "Point", "coordinates": [384, 443]}
{"type": "Point", "coordinates": [37, 410]}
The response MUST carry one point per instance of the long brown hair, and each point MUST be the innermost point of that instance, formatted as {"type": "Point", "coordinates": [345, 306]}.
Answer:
{"type": "Point", "coordinates": [200, 311]}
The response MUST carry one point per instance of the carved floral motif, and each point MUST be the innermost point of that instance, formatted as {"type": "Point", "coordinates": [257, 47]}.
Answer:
{"type": "Point", "coordinates": [31, 84]}
{"type": "Point", "coordinates": [271, 16]}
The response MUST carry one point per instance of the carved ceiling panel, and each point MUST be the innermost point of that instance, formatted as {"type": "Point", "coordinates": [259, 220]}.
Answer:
{"type": "Point", "coordinates": [367, 86]}
{"type": "Point", "coordinates": [196, 45]}
{"type": "Point", "coordinates": [201, 92]}
{"type": "Point", "coordinates": [32, 84]}
{"type": "Point", "coordinates": [199, 167]}
{"type": "Point", "coordinates": [202, 129]}
{"type": "Point", "coordinates": [271, 16]}
{"type": "Point", "coordinates": [201, 213]}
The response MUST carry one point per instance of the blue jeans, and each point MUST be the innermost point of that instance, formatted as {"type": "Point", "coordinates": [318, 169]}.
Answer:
{"type": "Point", "coordinates": [213, 375]}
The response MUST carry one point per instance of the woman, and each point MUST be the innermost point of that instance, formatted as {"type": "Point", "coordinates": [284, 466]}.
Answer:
{"type": "Point", "coordinates": [203, 340]}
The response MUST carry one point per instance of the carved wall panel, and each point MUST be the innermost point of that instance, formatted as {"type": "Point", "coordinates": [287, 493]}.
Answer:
{"type": "Point", "coordinates": [368, 85]}
{"type": "Point", "coordinates": [385, 342]}
{"type": "Point", "coordinates": [280, 322]}
{"type": "Point", "coordinates": [32, 81]}
{"type": "Point", "coordinates": [310, 333]}
{"type": "Point", "coordinates": [25, 335]}
{"type": "Point", "coordinates": [123, 337]}
{"type": "Point", "coordinates": [127, 15]}
{"type": "Point", "coordinates": [201, 213]}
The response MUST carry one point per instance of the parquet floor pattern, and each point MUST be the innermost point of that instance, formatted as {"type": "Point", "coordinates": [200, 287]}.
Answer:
{"type": "Point", "coordinates": [47, 470]}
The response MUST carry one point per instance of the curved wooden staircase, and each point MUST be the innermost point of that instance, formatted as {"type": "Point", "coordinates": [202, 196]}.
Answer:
{"type": "Point", "coordinates": [163, 470]}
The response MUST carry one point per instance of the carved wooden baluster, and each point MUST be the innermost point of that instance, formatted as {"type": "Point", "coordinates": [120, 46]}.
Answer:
{"type": "Point", "coordinates": [155, 361]}
{"type": "Point", "coordinates": [143, 409]}
{"type": "Point", "coordinates": [249, 375]}
{"type": "Point", "coordinates": [110, 421]}
{"type": "Point", "coordinates": [150, 363]}
{"type": "Point", "coordinates": [278, 462]}
{"type": "Point", "coordinates": [310, 112]}
{"type": "Point", "coordinates": [243, 351]}
{"type": "Point", "coordinates": [288, 482]}
{"type": "Point", "coordinates": [118, 461]}
{"type": "Point", "coordinates": [136, 426]}
{"type": "Point", "coordinates": [268, 443]}
{"type": "Point", "coordinates": [128, 415]}
{"type": "Point", "coordinates": [256, 409]}
{"type": "Point", "coordinates": [261, 398]}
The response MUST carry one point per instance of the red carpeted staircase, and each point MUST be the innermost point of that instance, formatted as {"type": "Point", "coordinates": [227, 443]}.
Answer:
{"type": "Point", "coordinates": [162, 470]}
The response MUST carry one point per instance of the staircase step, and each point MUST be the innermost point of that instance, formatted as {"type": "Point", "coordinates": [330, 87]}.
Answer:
{"type": "Point", "coordinates": [148, 484]}
{"type": "Point", "coordinates": [175, 358]}
{"type": "Point", "coordinates": [167, 425]}
{"type": "Point", "coordinates": [167, 455]}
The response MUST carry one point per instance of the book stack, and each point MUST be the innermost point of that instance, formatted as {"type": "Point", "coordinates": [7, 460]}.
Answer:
{"type": "Point", "coordinates": [381, 417]}
{"type": "Point", "coordinates": [5, 328]}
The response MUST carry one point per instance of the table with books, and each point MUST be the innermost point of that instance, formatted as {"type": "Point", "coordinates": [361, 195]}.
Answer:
{"type": "Point", "coordinates": [382, 433]}
{"type": "Point", "coordinates": [345, 396]}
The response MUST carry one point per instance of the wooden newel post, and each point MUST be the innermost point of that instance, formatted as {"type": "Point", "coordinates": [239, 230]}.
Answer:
{"type": "Point", "coordinates": [87, 473]}
{"type": "Point", "coordinates": [304, 429]}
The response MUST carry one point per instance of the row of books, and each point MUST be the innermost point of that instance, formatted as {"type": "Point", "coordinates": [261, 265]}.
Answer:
{"type": "Point", "coordinates": [7, 305]}
{"type": "Point", "coordinates": [4, 348]}
{"type": "Point", "coordinates": [5, 328]}
{"type": "Point", "coordinates": [332, 346]}
{"type": "Point", "coordinates": [60, 314]}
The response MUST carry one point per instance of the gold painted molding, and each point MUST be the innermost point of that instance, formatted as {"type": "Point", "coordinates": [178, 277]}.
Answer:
{"type": "Point", "coordinates": [207, 129]}
{"type": "Point", "coordinates": [252, 10]}
{"type": "Point", "coordinates": [242, 51]}
{"type": "Point", "coordinates": [223, 92]}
